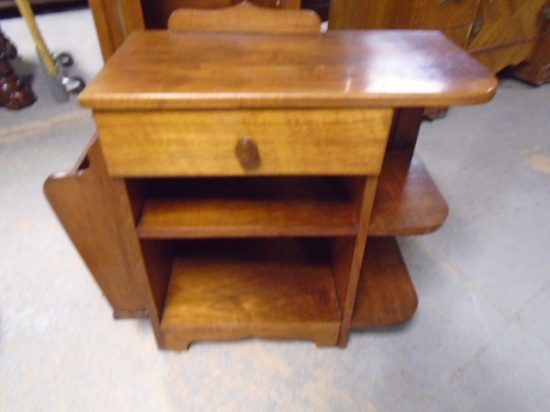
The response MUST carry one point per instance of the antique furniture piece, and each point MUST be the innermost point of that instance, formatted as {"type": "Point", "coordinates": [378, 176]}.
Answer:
{"type": "Point", "coordinates": [235, 179]}
{"type": "Point", "coordinates": [116, 19]}
{"type": "Point", "coordinates": [499, 33]}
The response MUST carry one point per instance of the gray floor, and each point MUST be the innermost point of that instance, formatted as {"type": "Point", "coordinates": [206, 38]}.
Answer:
{"type": "Point", "coordinates": [479, 341]}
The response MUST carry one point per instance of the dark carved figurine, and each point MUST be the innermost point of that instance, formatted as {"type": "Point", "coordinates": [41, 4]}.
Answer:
{"type": "Point", "coordinates": [14, 94]}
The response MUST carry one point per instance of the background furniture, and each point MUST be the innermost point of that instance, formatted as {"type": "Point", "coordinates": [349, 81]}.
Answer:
{"type": "Point", "coordinates": [499, 33]}
{"type": "Point", "coordinates": [233, 197]}
{"type": "Point", "coordinates": [116, 19]}
{"type": "Point", "coordinates": [8, 8]}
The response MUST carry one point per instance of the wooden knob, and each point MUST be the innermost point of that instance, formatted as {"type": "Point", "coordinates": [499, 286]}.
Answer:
{"type": "Point", "coordinates": [247, 153]}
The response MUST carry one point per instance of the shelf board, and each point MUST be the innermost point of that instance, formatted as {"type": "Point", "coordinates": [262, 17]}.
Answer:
{"type": "Point", "coordinates": [407, 200]}
{"type": "Point", "coordinates": [234, 296]}
{"type": "Point", "coordinates": [186, 218]}
{"type": "Point", "coordinates": [386, 294]}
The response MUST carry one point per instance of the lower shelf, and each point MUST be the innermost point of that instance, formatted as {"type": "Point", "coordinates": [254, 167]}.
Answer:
{"type": "Point", "coordinates": [386, 294]}
{"type": "Point", "coordinates": [284, 295]}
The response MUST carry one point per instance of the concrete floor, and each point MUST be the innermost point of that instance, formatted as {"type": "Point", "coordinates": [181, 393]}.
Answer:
{"type": "Point", "coordinates": [480, 340]}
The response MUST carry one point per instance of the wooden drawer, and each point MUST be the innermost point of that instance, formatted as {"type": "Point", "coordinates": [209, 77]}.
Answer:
{"type": "Point", "coordinates": [204, 143]}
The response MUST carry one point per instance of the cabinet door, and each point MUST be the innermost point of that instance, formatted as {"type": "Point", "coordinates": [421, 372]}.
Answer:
{"type": "Point", "coordinates": [362, 14]}
{"type": "Point", "coordinates": [503, 22]}
{"type": "Point", "coordinates": [452, 17]}
{"type": "Point", "coordinates": [435, 14]}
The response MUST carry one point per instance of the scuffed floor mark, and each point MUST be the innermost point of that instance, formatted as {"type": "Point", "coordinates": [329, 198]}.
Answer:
{"type": "Point", "coordinates": [538, 159]}
{"type": "Point", "coordinates": [38, 127]}
{"type": "Point", "coordinates": [540, 163]}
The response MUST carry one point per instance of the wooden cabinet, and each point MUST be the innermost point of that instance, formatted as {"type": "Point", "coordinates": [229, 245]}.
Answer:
{"type": "Point", "coordinates": [253, 184]}
{"type": "Point", "coordinates": [499, 33]}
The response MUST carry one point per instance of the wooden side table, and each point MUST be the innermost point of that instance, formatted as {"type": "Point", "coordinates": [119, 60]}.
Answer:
{"type": "Point", "coordinates": [237, 178]}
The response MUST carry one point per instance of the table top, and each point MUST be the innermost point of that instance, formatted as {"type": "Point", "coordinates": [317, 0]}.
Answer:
{"type": "Point", "coordinates": [159, 70]}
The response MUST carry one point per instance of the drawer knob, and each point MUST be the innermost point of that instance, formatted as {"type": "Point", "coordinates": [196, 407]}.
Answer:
{"type": "Point", "coordinates": [247, 153]}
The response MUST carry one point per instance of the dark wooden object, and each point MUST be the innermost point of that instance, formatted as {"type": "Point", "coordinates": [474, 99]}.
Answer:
{"type": "Point", "coordinates": [14, 94]}
{"type": "Point", "coordinates": [300, 246]}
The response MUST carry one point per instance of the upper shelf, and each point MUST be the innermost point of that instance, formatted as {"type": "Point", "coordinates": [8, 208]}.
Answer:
{"type": "Point", "coordinates": [407, 200]}
{"type": "Point", "coordinates": [267, 207]}
{"type": "Point", "coordinates": [167, 70]}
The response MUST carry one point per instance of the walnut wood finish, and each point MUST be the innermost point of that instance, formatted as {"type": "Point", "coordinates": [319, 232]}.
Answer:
{"type": "Point", "coordinates": [224, 71]}
{"type": "Point", "coordinates": [95, 212]}
{"type": "Point", "coordinates": [386, 294]}
{"type": "Point", "coordinates": [190, 143]}
{"type": "Point", "coordinates": [291, 264]}
{"type": "Point", "coordinates": [435, 14]}
{"type": "Point", "coordinates": [157, 13]}
{"type": "Point", "coordinates": [172, 218]}
{"type": "Point", "coordinates": [260, 20]}
{"type": "Point", "coordinates": [357, 15]}
{"type": "Point", "coordinates": [407, 201]}
{"type": "Point", "coordinates": [277, 293]}
{"type": "Point", "coordinates": [348, 255]}
{"type": "Point", "coordinates": [116, 19]}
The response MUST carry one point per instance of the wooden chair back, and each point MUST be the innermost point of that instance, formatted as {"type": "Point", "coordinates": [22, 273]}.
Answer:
{"type": "Point", "coordinates": [245, 17]}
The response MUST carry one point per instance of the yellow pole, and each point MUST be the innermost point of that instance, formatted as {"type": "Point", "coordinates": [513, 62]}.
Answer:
{"type": "Point", "coordinates": [27, 13]}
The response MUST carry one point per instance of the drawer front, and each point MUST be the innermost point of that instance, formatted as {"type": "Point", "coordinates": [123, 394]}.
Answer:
{"type": "Point", "coordinates": [233, 142]}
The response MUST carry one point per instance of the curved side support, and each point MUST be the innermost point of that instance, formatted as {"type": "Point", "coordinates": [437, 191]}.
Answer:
{"type": "Point", "coordinates": [386, 295]}
{"type": "Point", "coordinates": [95, 211]}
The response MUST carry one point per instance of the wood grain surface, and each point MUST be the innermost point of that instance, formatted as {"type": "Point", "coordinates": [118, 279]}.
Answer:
{"type": "Point", "coordinates": [233, 218]}
{"type": "Point", "coordinates": [95, 212]}
{"type": "Point", "coordinates": [290, 142]}
{"type": "Point", "coordinates": [334, 69]}
{"type": "Point", "coordinates": [407, 200]}
{"type": "Point", "coordinates": [259, 20]}
{"type": "Point", "coordinates": [233, 295]}
{"type": "Point", "coordinates": [386, 294]}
